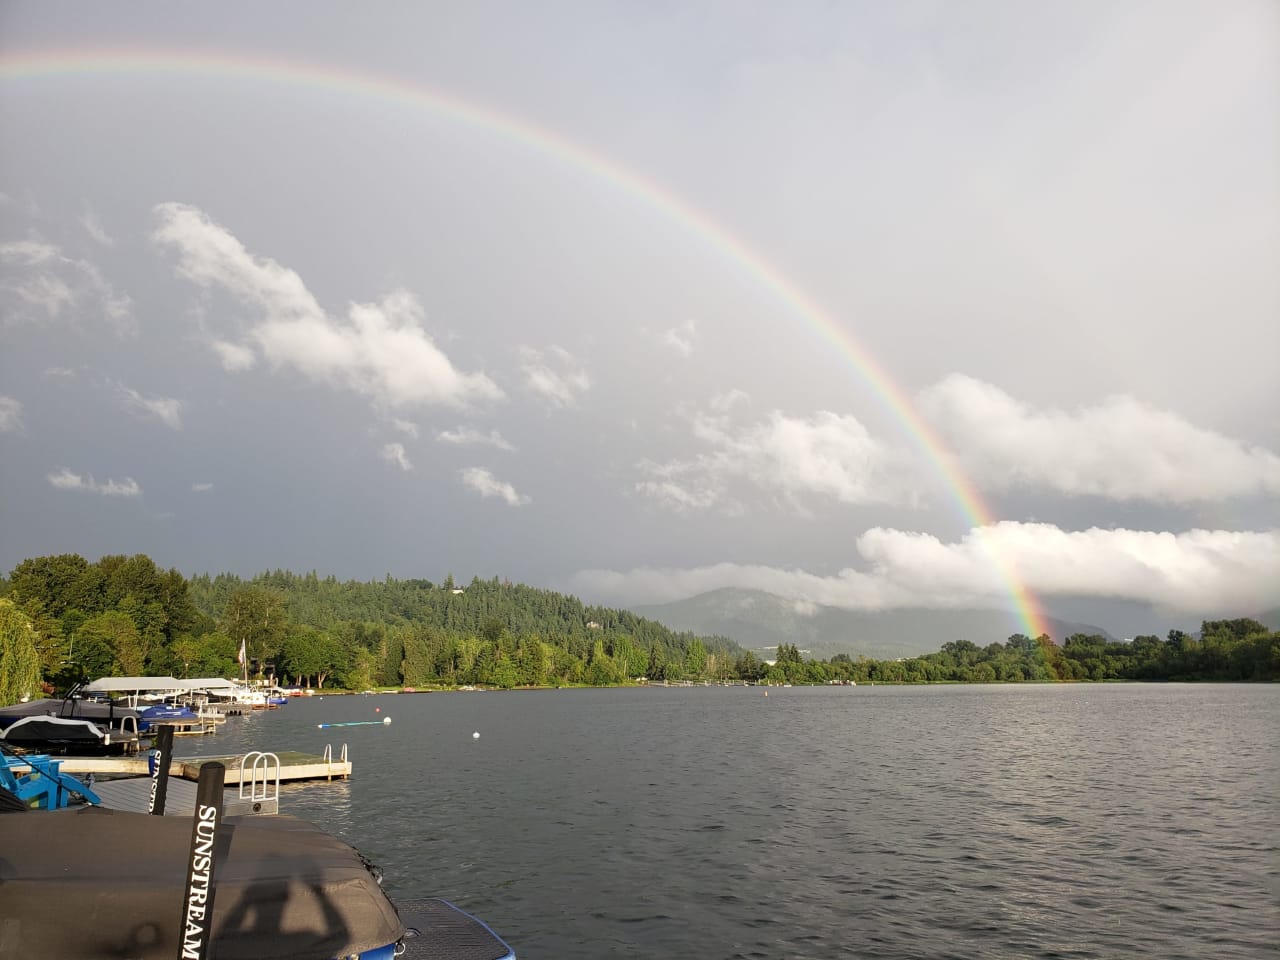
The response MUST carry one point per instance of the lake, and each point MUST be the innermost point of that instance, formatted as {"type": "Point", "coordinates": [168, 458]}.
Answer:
{"type": "Point", "coordinates": [1054, 821]}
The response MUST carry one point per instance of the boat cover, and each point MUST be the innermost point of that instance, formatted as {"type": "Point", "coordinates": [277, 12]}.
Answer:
{"type": "Point", "coordinates": [31, 731]}
{"type": "Point", "coordinates": [108, 883]}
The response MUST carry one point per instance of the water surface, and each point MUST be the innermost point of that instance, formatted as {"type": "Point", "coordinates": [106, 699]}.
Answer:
{"type": "Point", "coordinates": [1104, 821]}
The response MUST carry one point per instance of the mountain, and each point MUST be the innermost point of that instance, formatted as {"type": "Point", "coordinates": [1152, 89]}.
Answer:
{"type": "Point", "coordinates": [761, 621]}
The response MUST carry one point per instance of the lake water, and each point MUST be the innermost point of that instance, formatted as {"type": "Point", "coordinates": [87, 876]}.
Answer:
{"type": "Point", "coordinates": [1103, 821]}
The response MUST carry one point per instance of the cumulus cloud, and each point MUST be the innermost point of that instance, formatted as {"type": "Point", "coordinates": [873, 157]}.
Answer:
{"type": "Point", "coordinates": [467, 436]}
{"type": "Point", "coordinates": [235, 357]}
{"type": "Point", "coordinates": [165, 409]}
{"type": "Point", "coordinates": [380, 350]}
{"type": "Point", "coordinates": [407, 427]}
{"type": "Point", "coordinates": [65, 479]}
{"type": "Point", "coordinates": [394, 453]}
{"type": "Point", "coordinates": [487, 485]}
{"type": "Point", "coordinates": [1120, 448]}
{"type": "Point", "coordinates": [827, 456]}
{"type": "Point", "coordinates": [93, 227]}
{"type": "Point", "coordinates": [201, 487]}
{"type": "Point", "coordinates": [44, 280]}
{"type": "Point", "coordinates": [1194, 571]}
{"type": "Point", "coordinates": [680, 339]}
{"type": "Point", "coordinates": [10, 415]}
{"type": "Point", "coordinates": [554, 374]}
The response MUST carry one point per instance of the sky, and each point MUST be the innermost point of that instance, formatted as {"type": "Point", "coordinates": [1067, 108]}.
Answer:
{"type": "Point", "coordinates": [871, 305]}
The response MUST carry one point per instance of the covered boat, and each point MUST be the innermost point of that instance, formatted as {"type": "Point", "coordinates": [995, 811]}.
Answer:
{"type": "Point", "coordinates": [281, 889]}
{"type": "Point", "coordinates": [57, 735]}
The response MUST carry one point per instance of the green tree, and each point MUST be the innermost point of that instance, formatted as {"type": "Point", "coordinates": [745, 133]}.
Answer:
{"type": "Point", "coordinates": [108, 644]}
{"type": "Point", "coordinates": [19, 657]}
{"type": "Point", "coordinates": [255, 619]}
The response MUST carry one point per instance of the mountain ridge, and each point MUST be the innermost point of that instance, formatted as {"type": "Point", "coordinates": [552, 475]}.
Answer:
{"type": "Point", "coordinates": [758, 620]}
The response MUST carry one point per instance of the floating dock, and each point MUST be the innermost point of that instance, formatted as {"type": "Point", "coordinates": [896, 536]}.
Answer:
{"type": "Point", "coordinates": [293, 766]}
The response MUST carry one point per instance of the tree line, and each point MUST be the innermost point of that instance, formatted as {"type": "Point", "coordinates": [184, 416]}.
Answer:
{"type": "Point", "coordinates": [64, 619]}
{"type": "Point", "coordinates": [126, 616]}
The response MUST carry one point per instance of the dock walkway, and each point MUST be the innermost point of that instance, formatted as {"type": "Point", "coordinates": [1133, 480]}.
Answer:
{"type": "Point", "coordinates": [293, 767]}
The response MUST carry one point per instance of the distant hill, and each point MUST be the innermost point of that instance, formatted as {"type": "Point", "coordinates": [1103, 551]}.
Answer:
{"type": "Point", "coordinates": [759, 621]}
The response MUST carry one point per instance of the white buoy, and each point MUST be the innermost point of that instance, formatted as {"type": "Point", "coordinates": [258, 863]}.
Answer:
{"type": "Point", "coordinates": [476, 735]}
{"type": "Point", "coordinates": [385, 721]}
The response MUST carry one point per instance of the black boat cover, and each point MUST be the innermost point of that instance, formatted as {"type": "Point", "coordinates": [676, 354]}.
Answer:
{"type": "Point", "coordinates": [96, 883]}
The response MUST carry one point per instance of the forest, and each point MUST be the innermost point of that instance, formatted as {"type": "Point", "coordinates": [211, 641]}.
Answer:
{"type": "Point", "coordinates": [64, 619]}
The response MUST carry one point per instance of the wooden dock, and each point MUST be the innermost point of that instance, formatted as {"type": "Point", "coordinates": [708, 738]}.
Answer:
{"type": "Point", "coordinates": [294, 767]}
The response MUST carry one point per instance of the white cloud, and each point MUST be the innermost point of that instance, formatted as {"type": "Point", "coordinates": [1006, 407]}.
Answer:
{"type": "Point", "coordinates": [407, 427]}
{"type": "Point", "coordinates": [201, 487]}
{"type": "Point", "coordinates": [10, 415]}
{"type": "Point", "coordinates": [394, 453]}
{"type": "Point", "coordinates": [554, 374]}
{"type": "Point", "coordinates": [724, 402]}
{"type": "Point", "coordinates": [65, 479]}
{"type": "Point", "coordinates": [165, 409]}
{"type": "Point", "coordinates": [1230, 572]}
{"type": "Point", "coordinates": [680, 339]}
{"type": "Point", "coordinates": [827, 455]}
{"type": "Point", "coordinates": [465, 436]}
{"type": "Point", "coordinates": [487, 485]}
{"type": "Point", "coordinates": [234, 356]}
{"type": "Point", "coordinates": [59, 372]}
{"type": "Point", "coordinates": [381, 350]}
{"type": "Point", "coordinates": [1120, 448]}
{"type": "Point", "coordinates": [53, 284]}
{"type": "Point", "coordinates": [93, 227]}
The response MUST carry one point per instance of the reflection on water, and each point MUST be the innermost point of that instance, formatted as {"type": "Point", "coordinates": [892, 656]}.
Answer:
{"type": "Point", "coordinates": [1018, 821]}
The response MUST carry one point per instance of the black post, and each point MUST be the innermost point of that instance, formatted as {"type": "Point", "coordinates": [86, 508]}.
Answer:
{"type": "Point", "coordinates": [162, 757]}
{"type": "Point", "coordinates": [197, 905]}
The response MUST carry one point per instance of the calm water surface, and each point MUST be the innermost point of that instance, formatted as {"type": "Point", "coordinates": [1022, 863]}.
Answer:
{"type": "Point", "coordinates": [869, 822]}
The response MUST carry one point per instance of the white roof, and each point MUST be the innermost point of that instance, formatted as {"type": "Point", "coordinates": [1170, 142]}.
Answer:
{"type": "Point", "coordinates": [118, 684]}
{"type": "Point", "coordinates": [207, 683]}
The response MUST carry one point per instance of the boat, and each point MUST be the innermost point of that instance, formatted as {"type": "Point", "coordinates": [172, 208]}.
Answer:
{"type": "Point", "coordinates": [280, 889]}
{"type": "Point", "coordinates": [236, 888]}
{"type": "Point", "coordinates": [57, 735]}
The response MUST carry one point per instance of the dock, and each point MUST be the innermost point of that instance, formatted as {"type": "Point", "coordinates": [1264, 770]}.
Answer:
{"type": "Point", "coordinates": [294, 767]}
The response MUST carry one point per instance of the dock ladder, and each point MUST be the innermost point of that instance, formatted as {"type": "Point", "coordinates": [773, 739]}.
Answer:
{"type": "Point", "coordinates": [340, 768]}
{"type": "Point", "coordinates": [259, 784]}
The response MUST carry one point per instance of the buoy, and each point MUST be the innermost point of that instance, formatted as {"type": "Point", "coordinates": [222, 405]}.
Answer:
{"type": "Point", "coordinates": [377, 709]}
{"type": "Point", "coordinates": [476, 735]}
{"type": "Point", "coordinates": [385, 721]}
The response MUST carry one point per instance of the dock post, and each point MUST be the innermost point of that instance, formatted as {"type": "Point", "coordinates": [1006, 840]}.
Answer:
{"type": "Point", "coordinates": [162, 756]}
{"type": "Point", "coordinates": [197, 904]}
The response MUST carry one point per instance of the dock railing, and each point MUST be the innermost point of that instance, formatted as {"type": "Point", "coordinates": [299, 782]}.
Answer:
{"type": "Point", "coordinates": [260, 787]}
{"type": "Point", "coordinates": [340, 766]}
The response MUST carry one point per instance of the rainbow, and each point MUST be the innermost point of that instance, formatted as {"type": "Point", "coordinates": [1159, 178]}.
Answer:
{"type": "Point", "coordinates": [131, 61]}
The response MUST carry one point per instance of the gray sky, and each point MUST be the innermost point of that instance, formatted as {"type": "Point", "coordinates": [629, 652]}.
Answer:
{"type": "Point", "coordinates": [256, 315]}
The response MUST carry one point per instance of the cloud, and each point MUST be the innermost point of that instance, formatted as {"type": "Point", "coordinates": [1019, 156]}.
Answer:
{"type": "Point", "coordinates": [487, 485]}
{"type": "Point", "coordinates": [554, 374]}
{"type": "Point", "coordinates": [407, 427]}
{"type": "Point", "coordinates": [165, 409]}
{"type": "Point", "coordinates": [235, 357]}
{"type": "Point", "coordinates": [93, 227]}
{"type": "Point", "coordinates": [466, 436]}
{"type": "Point", "coordinates": [1120, 448]}
{"type": "Point", "coordinates": [394, 453]}
{"type": "Point", "coordinates": [1195, 571]}
{"type": "Point", "coordinates": [10, 415]}
{"type": "Point", "coordinates": [53, 284]}
{"type": "Point", "coordinates": [828, 456]}
{"type": "Point", "coordinates": [201, 487]}
{"type": "Point", "coordinates": [680, 339]}
{"type": "Point", "coordinates": [59, 372]}
{"type": "Point", "coordinates": [65, 479]}
{"type": "Point", "coordinates": [381, 350]}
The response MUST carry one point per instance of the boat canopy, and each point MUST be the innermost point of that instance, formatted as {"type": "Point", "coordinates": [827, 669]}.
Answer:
{"type": "Point", "coordinates": [131, 684]}
{"type": "Point", "coordinates": [207, 683]}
